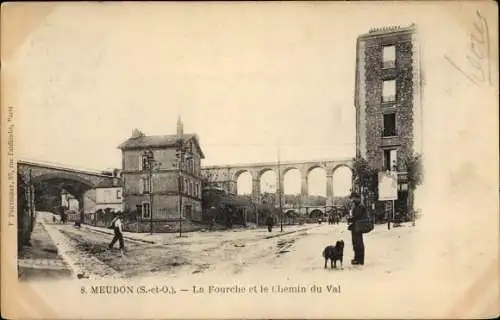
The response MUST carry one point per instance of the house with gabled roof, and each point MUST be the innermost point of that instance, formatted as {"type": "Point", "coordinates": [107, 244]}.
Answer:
{"type": "Point", "coordinates": [157, 186]}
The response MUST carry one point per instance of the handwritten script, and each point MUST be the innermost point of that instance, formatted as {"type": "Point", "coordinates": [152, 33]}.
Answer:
{"type": "Point", "coordinates": [478, 69]}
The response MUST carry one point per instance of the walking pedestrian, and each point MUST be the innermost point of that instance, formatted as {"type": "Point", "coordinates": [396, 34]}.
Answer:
{"type": "Point", "coordinates": [116, 224]}
{"type": "Point", "coordinates": [357, 213]}
{"type": "Point", "coordinates": [212, 224]}
{"type": "Point", "coordinates": [270, 223]}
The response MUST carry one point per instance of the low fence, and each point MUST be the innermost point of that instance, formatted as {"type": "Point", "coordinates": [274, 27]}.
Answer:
{"type": "Point", "coordinates": [104, 218]}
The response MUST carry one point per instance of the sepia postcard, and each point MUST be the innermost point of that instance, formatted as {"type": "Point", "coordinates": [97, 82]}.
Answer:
{"type": "Point", "coordinates": [249, 159]}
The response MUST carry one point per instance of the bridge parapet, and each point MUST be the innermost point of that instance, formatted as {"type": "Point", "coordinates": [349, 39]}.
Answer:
{"type": "Point", "coordinates": [41, 171]}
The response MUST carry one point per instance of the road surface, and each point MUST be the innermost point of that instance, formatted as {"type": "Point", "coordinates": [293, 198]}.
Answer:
{"type": "Point", "coordinates": [223, 252]}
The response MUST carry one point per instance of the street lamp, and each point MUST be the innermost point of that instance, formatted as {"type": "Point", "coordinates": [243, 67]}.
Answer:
{"type": "Point", "coordinates": [150, 164]}
{"type": "Point", "coordinates": [181, 155]}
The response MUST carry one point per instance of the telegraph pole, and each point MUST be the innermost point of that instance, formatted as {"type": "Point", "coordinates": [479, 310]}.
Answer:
{"type": "Point", "coordinates": [150, 188]}
{"type": "Point", "coordinates": [279, 190]}
{"type": "Point", "coordinates": [150, 165]}
{"type": "Point", "coordinates": [180, 157]}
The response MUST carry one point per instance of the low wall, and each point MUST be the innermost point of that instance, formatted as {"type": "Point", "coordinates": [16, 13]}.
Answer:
{"type": "Point", "coordinates": [166, 226]}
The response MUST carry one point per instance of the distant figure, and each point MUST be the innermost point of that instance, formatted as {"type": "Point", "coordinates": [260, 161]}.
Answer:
{"type": "Point", "coordinates": [116, 224]}
{"type": "Point", "coordinates": [269, 223]}
{"type": "Point", "coordinates": [54, 220]}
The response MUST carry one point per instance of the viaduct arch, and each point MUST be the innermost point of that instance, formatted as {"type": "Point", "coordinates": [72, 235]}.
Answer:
{"type": "Point", "coordinates": [226, 176]}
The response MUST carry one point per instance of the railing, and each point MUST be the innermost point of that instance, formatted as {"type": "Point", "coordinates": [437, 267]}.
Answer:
{"type": "Point", "coordinates": [389, 64]}
{"type": "Point", "coordinates": [391, 98]}
{"type": "Point", "coordinates": [389, 134]}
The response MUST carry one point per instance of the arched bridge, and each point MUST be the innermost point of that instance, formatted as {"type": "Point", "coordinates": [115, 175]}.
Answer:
{"type": "Point", "coordinates": [226, 176]}
{"type": "Point", "coordinates": [50, 178]}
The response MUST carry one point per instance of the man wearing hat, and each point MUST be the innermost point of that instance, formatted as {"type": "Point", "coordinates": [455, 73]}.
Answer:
{"type": "Point", "coordinates": [116, 224]}
{"type": "Point", "coordinates": [358, 212]}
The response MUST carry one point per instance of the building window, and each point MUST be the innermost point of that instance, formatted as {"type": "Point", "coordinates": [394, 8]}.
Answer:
{"type": "Point", "coordinates": [389, 125]}
{"type": "Point", "coordinates": [390, 159]}
{"type": "Point", "coordinates": [146, 210]}
{"type": "Point", "coordinates": [143, 162]}
{"type": "Point", "coordinates": [118, 194]}
{"type": "Point", "coordinates": [389, 56]}
{"type": "Point", "coordinates": [145, 185]}
{"type": "Point", "coordinates": [107, 196]}
{"type": "Point", "coordinates": [389, 91]}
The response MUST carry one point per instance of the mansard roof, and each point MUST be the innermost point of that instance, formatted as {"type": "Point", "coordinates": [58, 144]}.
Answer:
{"type": "Point", "coordinates": [160, 141]}
{"type": "Point", "coordinates": [110, 183]}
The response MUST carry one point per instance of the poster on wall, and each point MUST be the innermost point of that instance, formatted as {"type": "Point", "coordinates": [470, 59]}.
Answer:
{"type": "Point", "coordinates": [387, 186]}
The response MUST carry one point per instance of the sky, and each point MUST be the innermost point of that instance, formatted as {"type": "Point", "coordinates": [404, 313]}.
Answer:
{"type": "Point", "coordinates": [246, 77]}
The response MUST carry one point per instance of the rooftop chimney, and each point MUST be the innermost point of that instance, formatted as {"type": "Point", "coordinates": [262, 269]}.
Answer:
{"type": "Point", "coordinates": [180, 127]}
{"type": "Point", "coordinates": [136, 133]}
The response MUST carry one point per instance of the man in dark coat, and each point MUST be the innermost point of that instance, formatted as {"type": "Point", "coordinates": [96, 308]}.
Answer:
{"type": "Point", "coordinates": [269, 223]}
{"type": "Point", "coordinates": [358, 212]}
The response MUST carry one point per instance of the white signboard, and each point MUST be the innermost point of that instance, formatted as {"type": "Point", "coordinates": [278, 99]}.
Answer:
{"type": "Point", "coordinates": [387, 186]}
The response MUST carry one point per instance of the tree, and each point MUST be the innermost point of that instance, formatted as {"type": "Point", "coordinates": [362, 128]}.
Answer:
{"type": "Point", "coordinates": [269, 199]}
{"type": "Point", "coordinates": [344, 202]}
{"type": "Point", "coordinates": [365, 176]}
{"type": "Point", "coordinates": [208, 178]}
{"type": "Point", "coordinates": [413, 166]}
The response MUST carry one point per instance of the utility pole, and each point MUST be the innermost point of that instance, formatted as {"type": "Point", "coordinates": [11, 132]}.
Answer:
{"type": "Point", "coordinates": [150, 189]}
{"type": "Point", "coordinates": [279, 190]}
{"type": "Point", "coordinates": [180, 162]}
{"type": "Point", "coordinates": [181, 156]}
{"type": "Point", "coordinates": [150, 165]}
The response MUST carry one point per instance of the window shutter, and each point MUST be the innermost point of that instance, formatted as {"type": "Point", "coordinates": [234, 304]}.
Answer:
{"type": "Point", "coordinates": [141, 186]}
{"type": "Point", "coordinates": [156, 183]}
{"type": "Point", "coordinates": [140, 163]}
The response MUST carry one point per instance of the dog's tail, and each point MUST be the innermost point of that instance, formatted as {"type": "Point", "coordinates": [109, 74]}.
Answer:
{"type": "Point", "coordinates": [324, 253]}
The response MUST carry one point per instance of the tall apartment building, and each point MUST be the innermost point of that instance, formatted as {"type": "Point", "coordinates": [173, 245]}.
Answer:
{"type": "Point", "coordinates": [388, 100]}
{"type": "Point", "coordinates": [156, 194]}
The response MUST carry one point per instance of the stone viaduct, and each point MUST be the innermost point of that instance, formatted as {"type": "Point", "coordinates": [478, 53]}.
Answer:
{"type": "Point", "coordinates": [226, 176]}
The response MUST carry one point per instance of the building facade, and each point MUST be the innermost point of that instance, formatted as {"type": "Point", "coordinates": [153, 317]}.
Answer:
{"type": "Point", "coordinates": [156, 183]}
{"type": "Point", "coordinates": [388, 101]}
{"type": "Point", "coordinates": [109, 196]}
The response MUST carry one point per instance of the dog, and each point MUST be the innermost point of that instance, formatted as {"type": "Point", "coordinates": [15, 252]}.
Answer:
{"type": "Point", "coordinates": [334, 253]}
